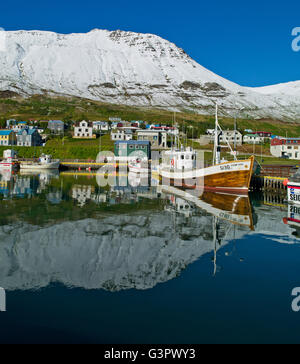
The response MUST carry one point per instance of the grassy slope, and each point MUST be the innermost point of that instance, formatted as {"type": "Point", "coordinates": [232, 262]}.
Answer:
{"type": "Point", "coordinates": [67, 109]}
{"type": "Point", "coordinates": [44, 108]}
{"type": "Point", "coordinates": [67, 148]}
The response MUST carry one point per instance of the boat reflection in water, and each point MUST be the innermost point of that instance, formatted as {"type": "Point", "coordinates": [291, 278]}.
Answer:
{"type": "Point", "coordinates": [228, 211]}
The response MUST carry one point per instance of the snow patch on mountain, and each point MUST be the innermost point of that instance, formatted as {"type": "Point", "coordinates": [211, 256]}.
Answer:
{"type": "Point", "coordinates": [132, 69]}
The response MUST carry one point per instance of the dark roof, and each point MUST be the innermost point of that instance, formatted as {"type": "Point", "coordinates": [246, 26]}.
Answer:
{"type": "Point", "coordinates": [56, 122]}
{"type": "Point", "coordinates": [29, 131]}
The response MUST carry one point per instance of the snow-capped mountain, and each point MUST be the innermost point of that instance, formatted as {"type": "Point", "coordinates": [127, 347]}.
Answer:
{"type": "Point", "coordinates": [132, 69]}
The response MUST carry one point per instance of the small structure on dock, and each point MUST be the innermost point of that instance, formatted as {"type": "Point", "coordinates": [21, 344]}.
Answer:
{"type": "Point", "coordinates": [133, 149]}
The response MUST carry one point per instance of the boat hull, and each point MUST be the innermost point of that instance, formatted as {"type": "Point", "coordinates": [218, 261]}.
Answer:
{"type": "Point", "coordinates": [229, 177]}
{"type": "Point", "coordinates": [8, 166]}
{"type": "Point", "coordinates": [293, 191]}
{"type": "Point", "coordinates": [39, 167]}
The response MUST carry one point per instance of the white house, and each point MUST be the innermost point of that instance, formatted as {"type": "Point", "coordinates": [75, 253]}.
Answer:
{"type": "Point", "coordinates": [230, 136]}
{"type": "Point", "coordinates": [210, 131]}
{"type": "Point", "coordinates": [285, 147]}
{"type": "Point", "coordinates": [121, 134]}
{"type": "Point", "coordinates": [157, 138]}
{"type": "Point", "coordinates": [253, 139]}
{"type": "Point", "coordinates": [84, 131]}
{"type": "Point", "coordinates": [101, 125]}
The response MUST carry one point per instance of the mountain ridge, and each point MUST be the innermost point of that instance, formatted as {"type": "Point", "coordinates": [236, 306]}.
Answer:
{"type": "Point", "coordinates": [133, 69]}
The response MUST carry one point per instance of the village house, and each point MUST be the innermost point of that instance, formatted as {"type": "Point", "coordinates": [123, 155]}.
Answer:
{"type": "Point", "coordinates": [84, 131]}
{"type": "Point", "coordinates": [10, 123]}
{"type": "Point", "coordinates": [101, 125]}
{"type": "Point", "coordinates": [210, 131]}
{"type": "Point", "coordinates": [8, 137]}
{"type": "Point", "coordinates": [171, 130]}
{"type": "Point", "coordinates": [285, 147]}
{"type": "Point", "coordinates": [29, 138]}
{"type": "Point", "coordinates": [114, 119]}
{"type": "Point", "coordinates": [121, 134]}
{"type": "Point", "coordinates": [263, 134]}
{"type": "Point", "coordinates": [56, 126]}
{"type": "Point", "coordinates": [114, 125]}
{"type": "Point", "coordinates": [253, 139]}
{"type": "Point", "coordinates": [19, 126]}
{"type": "Point", "coordinates": [157, 138]}
{"type": "Point", "coordinates": [230, 136]}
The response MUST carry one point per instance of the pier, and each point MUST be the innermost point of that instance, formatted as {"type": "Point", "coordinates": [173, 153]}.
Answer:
{"type": "Point", "coordinates": [271, 178]}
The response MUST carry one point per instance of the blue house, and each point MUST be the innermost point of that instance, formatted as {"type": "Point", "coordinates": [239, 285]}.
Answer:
{"type": "Point", "coordinates": [29, 138]}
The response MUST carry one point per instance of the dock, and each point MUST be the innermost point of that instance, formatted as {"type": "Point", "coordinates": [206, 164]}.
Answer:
{"type": "Point", "coordinates": [271, 178]}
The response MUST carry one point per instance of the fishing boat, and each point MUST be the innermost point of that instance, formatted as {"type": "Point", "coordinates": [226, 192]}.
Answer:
{"type": "Point", "coordinates": [45, 162]}
{"type": "Point", "coordinates": [182, 168]}
{"type": "Point", "coordinates": [9, 162]}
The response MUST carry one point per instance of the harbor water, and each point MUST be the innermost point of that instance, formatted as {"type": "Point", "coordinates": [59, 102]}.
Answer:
{"type": "Point", "coordinates": [82, 263]}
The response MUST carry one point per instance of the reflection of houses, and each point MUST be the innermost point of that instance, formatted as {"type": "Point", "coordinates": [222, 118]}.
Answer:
{"type": "Point", "coordinates": [157, 138]}
{"type": "Point", "coordinates": [82, 194]}
{"type": "Point", "coordinates": [180, 206]}
{"type": "Point", "coordinates": [99, 198]}
{"type": "Point", "coordinates": [8, 137]}
{"type": "Point", "coordinates": [24, 186]}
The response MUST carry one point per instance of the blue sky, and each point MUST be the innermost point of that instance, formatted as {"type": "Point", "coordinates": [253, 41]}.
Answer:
{"type": "Point", "coordinates": [248, 42]}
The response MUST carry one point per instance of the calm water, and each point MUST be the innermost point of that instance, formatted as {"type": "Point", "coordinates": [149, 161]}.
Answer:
{"type": "Point", "coordinates": [84, 264]}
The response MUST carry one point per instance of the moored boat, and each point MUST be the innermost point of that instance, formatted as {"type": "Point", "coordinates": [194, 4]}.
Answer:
{"type": "Point", "coordinates": [181, 168]}
{"type": "Point", "coordinates": [9, 162]}
{"type": "Point", "coordinates": [45, 163]}
{"type": "Point", "coordinates": [139, 166]}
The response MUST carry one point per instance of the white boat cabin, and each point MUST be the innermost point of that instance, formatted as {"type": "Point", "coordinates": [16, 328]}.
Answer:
{"type": "Point", "coordinates": [9, 154]}
{"type": "Point", "coordinates": [45, 159]}
{"type": "Point", "coordinates": [180, 159]}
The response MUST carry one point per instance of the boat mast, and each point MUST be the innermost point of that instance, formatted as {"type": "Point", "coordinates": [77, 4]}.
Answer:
{"type": "Point", "coordinates": [217, 148]}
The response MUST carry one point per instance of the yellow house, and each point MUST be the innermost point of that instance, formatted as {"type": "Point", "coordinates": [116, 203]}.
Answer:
{"type": "Point", "coordinates": [8, 137]}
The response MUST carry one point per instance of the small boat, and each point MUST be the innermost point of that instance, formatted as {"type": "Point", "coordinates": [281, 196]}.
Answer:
{"type": "Point", "coordinates": [9, 162]}
{"type": "Point", "coordinates": [45, 163]}
{"type": "Point", "coordinates": [139, 166]}
{"type": "Point", "coordinates": [182, 168]}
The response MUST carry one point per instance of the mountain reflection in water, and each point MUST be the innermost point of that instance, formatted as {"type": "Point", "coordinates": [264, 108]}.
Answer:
{"type": "Point", "coordinates": [67, 229]}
